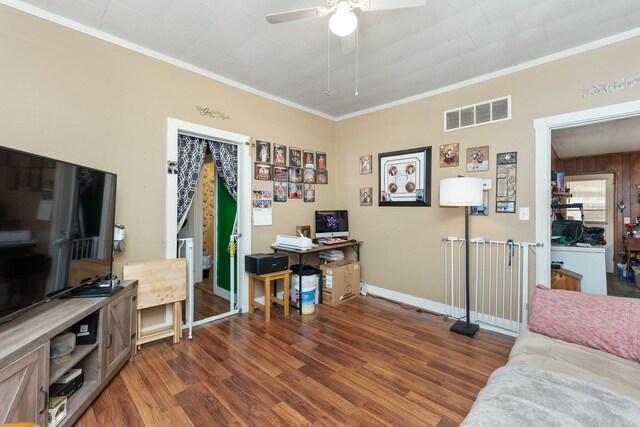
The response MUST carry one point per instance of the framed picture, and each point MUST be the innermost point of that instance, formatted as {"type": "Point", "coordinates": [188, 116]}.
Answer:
{"type": "Point", "coordinates": [366, 196]}
{"type": "Point", "coordinates": [405, 177]}
{"type": "Point", "coordinates": [506, 182]}
{"type": "Point", "coordinates": [449, 155]}
{"type": "Point", "coordinates": [321, 160]}
{"type": "Point", "coordinates": [295, 175]}
{"type": "Point", "coordinates": [295, 190]}
{"type": "Point", "coordinates": [366, 164]}
{"type": "Point", "coordinates": [279, 191]}
{"type": "Point", "coordinates": [481, 210]}
{"type": "Point", "coordinates": [280, 173]}
{"type": "Point", "coordinates": [263, 172]}
{"type": "Point", "coordinates": [309, 176]}
{"type": "Point", "coordinates": [478, 159]}
{"type": "Point", "coordinates": [295, 157]}
{"type": "Point", "coordinates": [309, 193]}
{"type": "Point", "coordinates": [322, 177]}
{"type": "Point", "coordinates": [263, 151]}
{"type": "Point", "coordinates": [308, 156]}
{"type": "Point", "coordinates": [303, 230]}
{"type": "Point", "coordinates": [279, 154]}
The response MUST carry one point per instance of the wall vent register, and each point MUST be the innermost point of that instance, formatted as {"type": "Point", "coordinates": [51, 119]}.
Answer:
{"type": "Point", "coordinates": [482, 113]}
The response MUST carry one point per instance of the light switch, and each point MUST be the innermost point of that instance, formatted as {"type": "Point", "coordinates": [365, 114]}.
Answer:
{"type": "Point", "coordinates": [524, 214]}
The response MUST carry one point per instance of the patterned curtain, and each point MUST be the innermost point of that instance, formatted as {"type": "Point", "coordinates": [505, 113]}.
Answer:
{"type": "Point", "coordinates": [191, 153]}
{"type": "Point", "coordinates": [225, 156]}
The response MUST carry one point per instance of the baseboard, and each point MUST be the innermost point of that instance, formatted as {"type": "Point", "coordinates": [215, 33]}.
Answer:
{"type": "Point", "coordinates": [406, 299]}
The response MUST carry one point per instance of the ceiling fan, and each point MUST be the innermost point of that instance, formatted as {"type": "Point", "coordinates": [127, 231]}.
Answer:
{"type": "Point", "coordinates": [343, 21]}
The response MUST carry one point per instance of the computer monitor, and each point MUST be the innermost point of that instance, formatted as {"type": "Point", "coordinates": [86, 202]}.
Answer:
{"type": "Point", "coordinates": [333, 223]}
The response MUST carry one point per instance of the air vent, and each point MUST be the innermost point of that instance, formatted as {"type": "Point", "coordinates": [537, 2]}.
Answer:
{"type": "Point", "coordinates": [479, 114]}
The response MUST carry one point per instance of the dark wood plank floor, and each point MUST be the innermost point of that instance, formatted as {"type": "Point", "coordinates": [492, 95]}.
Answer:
{"type": "Point", "coordinates": [366, 362]}
{"type": "Point", "coordinates": [207, 304]}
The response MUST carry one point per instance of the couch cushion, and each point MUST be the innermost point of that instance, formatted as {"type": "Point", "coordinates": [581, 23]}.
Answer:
{"type": "Point", "coordinates": [598, 367]}
{"type": "Point", "coordinates": [597, 321]}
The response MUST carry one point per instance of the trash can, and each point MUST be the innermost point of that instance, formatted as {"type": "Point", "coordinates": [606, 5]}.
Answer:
{"type": "Point", "coordinates": [309, 295]}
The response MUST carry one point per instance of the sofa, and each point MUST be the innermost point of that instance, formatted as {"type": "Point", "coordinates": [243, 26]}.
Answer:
{"type": "Point", "coordinates": [577, 365]}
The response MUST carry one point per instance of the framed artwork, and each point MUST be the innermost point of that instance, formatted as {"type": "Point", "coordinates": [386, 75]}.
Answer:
{"type": "Point", "coordinates": [322, 177]}
{"type": "Point", "coordinates": [481, 210]}
{"type": "Point", "coordinates": [449, 155]}
{"type": "Point", "coordinates": [309, 176]}
{"type": "Point", "coordinates": [321, 160]}
{"type": "Point", "coordinates": [295, 190]}
{"type": "Point", "coordinates": [366, 164]}
{"type": "Point", "coordinates": [405, 177]}
{"type": "Point", "coordinates": [309, 193]}
{"type": "Point", "coordinates": [172, 167]}
{"type": "Point", "coordinates": [280, 173]}
{"type": "Point", "coordinates": [506, 182]}
{"type": "Point", "coordinates": [303, 230]}
{"type": "Point", "coordinates": [263, 151]}
{"type": "Point", "coordinates": [366, 196]}
{"type": "Point", "coordinates": [478, 159]}
{"type": "Point", "coordinates": [263, 172]}
{"type": "Point", "coordinates": [295, 175]}
{"type": "Point", "coordinates": [295, 157]}
{"type": "Point", "coordinates": [308, 156]}
{"type": "Point", "coordinates": [279, 191]}
{"type": "Point", "coordinates": [279, 154]}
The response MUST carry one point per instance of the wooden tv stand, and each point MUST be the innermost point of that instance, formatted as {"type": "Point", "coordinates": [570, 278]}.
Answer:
{"type": "Point", "coordinates": [26, 371]}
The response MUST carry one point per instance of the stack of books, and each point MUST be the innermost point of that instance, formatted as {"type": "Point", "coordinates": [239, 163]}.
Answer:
{"type": "Point", "coordinates": [331, 255]}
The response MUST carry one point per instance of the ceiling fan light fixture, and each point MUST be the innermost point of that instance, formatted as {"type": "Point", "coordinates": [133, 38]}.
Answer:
{"type": "Point", "coordinates": [343, 22]}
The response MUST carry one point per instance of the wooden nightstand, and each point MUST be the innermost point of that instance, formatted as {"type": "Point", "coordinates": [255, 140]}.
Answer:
{"type": "Point", "coordinates": [565, 279]}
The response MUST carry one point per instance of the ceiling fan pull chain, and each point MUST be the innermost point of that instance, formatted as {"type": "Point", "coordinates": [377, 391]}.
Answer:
{"type": "Point", "coordinates": [357, 41]}
{"type": "Point", "coordinates": [328, 92]}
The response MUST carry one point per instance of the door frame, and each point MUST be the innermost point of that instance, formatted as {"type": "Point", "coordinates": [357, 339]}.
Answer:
{"type": "Point", "coordinates": [543, 128]}
{"type": "Point", "coordinates": [176, 126]}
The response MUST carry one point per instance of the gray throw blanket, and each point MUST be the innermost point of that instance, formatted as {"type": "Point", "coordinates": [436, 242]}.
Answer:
{"type": "Point", "coordinates": [528, 396]}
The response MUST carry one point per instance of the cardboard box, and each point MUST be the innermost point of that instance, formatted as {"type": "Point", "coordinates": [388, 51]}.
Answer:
{"type": "Point", "coordinates": [340, 281]}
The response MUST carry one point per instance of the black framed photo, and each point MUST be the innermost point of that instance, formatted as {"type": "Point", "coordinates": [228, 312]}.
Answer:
{"type": "Point", "coordinates": [295, 157]}
{"type": "Point", "coordinates": [308, 157]}
{"type": "Point", "coordinates": [321, 160]}
{"type": "Point", "coordinates": [280, 191]}
{"type": "Point", "coordinates": [263, 172]}
{"type": "Point", "coordinates": [263, 151]}
{"type": "Point", "coordinates": [322, 177]}
{"type": "Point", "coordinates": [280, 173]}
{"type": "Point", "coordinates": [279, 154]}
{"type": "Point", "coordinates": [404, 177]}
{"type": "Point", "coordinates": [309, 176]}
{"type": "Point", "coordinates": [295, 175]}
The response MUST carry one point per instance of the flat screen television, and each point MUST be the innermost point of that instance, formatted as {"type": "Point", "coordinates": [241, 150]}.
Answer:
{"type": "Point", "coordinates": [332, 224]}
{"type": "Point", "coordinates": [56, 228]}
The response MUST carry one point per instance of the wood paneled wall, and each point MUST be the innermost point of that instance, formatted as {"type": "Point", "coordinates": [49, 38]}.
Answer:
{"type": "Point", "coordinates": [626, 170]}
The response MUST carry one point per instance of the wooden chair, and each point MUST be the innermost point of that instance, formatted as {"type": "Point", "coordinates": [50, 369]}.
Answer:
{"type": "Point", "coordinates": [268, 279]}
{"type": "Point", "coordinates": [160, 282]}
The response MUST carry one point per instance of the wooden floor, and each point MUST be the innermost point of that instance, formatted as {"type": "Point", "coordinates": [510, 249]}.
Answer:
{"type": "Point", "coordinates": [207, 304]}
{"type": "Point", "coordinates": [621, 287]}
{"type": "Point", "coordinates": [366, 362]}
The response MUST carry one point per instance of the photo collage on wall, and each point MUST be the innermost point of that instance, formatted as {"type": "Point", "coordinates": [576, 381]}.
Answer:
{"type": "Point", "coordinates": [294, 171]}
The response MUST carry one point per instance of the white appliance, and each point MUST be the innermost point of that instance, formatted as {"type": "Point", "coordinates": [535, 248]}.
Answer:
{"type": "Point", "coordinates": [586, 261]}
{"type": "Point", "coordinates": [293, 242]}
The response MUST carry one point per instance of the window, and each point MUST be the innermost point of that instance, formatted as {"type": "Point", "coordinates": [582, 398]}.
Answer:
{"type": "Point", "coordinates": [593, 195]}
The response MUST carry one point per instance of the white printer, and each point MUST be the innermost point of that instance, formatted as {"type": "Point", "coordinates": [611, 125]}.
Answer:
{"type": "Point", "coordinates": [298, 243]}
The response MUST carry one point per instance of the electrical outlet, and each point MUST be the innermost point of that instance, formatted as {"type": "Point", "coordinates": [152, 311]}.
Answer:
{"type": "Point", "coordinates": [486, 184]}
{"type": "Point", "coordinates": [627, 219]}
{"type": "Point", "coordinates": [524, 214]}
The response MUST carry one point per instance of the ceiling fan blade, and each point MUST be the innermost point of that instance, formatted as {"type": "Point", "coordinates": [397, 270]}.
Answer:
{"type": "Point", "coordinates": [294, 15]}
{"type": "Point", "coordinates": [393, 4]}
{"type": "Point", "coordinates": [348, 43]}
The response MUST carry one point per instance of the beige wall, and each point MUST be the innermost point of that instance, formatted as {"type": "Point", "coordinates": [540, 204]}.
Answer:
{"type": "Point", "coordinates": [403, 250]}
{"type": "Point", "coordinates": [71, 96]}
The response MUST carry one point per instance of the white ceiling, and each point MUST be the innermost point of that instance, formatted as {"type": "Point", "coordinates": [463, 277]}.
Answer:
{"type": "Point", "coordinates": [403, 53]}
{"type": "Point", "coordinates": [615, 136]}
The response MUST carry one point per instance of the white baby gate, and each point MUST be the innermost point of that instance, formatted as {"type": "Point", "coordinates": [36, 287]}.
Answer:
{"type": "Point", "coordinates": [499, 278]}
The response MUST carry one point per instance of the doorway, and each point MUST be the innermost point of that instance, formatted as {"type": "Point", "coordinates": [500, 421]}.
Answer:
{"type": "Point", "coordinates": [243, 236]}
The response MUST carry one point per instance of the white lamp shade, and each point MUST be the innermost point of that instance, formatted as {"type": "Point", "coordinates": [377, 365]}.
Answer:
{"type": "Point", "coordinates": [343, 22]}
{"type": "Point", "coordinates": [461, 191]}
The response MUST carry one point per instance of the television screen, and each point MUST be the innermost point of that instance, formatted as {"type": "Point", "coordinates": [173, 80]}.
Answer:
{"type": "Point", "coordinates": [332, 224]}
{"type": "Point", "coordinates": [56, 228]}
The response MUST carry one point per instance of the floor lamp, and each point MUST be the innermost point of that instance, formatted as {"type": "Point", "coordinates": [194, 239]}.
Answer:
{"type": "Point", "coordinates": [463, 191]}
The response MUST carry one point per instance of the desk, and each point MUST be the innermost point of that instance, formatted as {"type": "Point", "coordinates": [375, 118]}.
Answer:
{"type": "Point", "coordinates": [355, 245]}
{"type": "Point", "coordinates": [632, 244]}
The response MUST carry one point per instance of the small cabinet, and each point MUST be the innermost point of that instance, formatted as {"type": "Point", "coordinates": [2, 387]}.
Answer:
{"type": "Point", "coordinates": [24, 388]}
{"type": "Point", "coordinates": [117, 331]}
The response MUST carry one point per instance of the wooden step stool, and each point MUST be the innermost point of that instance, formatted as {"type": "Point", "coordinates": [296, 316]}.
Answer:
{"type": "Point", "coordinates": [267, 279]}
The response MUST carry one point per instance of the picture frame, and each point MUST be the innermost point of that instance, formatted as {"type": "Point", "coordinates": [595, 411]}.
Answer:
{"type": "Point", "coordinates": [303, 230]}
{"type": "Point", "coordinates": [322, 177]}
{"type": "Point", "coordinates": [308, 159]}
{"type": "Point", "coordinates": [309, 193]}
{"type": "Point", "coordinates": [366, 196]}
{"type": "Point", "coordinates": [279, 191]}
{"type": "Point", "coordinates": [478, 159]}
{"type": "Point", "coordinates": [449, 155]}
{"type": "Point", "coordinates": [506, 182]}
{"type": "Point", "coordinates": [366, 164]}
{"type": "Point", "coordinates": [295, 174]}
{"type": "Point", "coordinates": [321, 160]}
{"type": "Point", "coordinates": [262, 172]}
{"type": "Point", "coordinates": [295, 157]}
{"type": "Point", "coordinates": [279, 154]}
{"type": "Point", "coordinates": [309, 176]}
{"type": "Point", "coordinates": [404, 177]}
{"type": "Point", "coordinates": [263, 152]}
{"type": "Point", "coordinates": [295, 190]}
{"type": "Point", "coordinates": [280, 173]}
